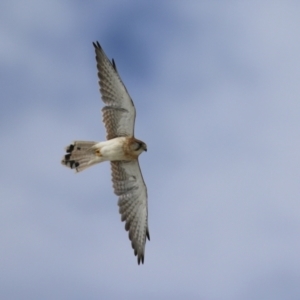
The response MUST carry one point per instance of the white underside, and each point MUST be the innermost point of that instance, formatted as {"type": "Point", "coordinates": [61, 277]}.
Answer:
{"type": "Point", "coordinates": [111, 150]}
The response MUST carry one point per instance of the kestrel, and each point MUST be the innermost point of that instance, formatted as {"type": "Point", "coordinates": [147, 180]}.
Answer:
{"type": "Point", "coordinates": [121, 148]}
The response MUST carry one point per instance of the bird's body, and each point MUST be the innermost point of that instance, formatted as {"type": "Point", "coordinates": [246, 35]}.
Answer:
{"type": "Point", "coordinates": [83, 154]}
{"type": "Point", "coordinates": [121, 148]}
{"type": "Point", "coordinates": [111, 150]}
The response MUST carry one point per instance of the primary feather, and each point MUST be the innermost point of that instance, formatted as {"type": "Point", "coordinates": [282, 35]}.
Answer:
{"type": "Point", "coordinates": [121, 149]}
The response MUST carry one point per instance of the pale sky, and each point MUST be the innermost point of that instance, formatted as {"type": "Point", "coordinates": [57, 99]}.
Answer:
{"type": "Point", "coordinates": [216, 88]}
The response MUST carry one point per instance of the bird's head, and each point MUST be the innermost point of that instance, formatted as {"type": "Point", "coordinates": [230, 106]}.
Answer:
{"type": "Point", "coordinates": [138, 146]}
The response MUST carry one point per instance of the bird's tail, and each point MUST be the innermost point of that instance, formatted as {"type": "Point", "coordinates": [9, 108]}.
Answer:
{"type": "Point", "coordinates": [80, 155]}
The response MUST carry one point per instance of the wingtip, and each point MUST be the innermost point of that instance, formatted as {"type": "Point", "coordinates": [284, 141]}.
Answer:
{"type": "Point", "coordinates": [140, 259]}
{"type": "Point", "coordinates": [114, 65]}
{"type": "Point", "coordinates": [97, 45]}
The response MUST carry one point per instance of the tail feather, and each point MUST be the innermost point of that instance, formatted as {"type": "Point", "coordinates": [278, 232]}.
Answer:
{"type": "Point", "coordinates": [80, 155]}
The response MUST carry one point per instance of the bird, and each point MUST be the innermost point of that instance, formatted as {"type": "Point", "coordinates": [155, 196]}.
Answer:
{"type": "Point", "coordinates": [121, 149]}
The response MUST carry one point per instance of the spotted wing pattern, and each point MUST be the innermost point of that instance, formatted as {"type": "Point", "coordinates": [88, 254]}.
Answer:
{"type": "Point", "coordinates": [119, 112]}
{"type": "Point", "coordinates": [129, 186]}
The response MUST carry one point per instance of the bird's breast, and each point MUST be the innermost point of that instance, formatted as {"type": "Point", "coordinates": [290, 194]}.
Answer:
{"type": "Point", "coordinates": [114, 149]}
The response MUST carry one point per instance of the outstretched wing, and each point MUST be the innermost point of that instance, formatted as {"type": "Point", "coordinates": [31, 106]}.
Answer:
{"type": "Point", "coordinates": [119, 112]}
{"type": "Point", "coordinates": [129, 185]}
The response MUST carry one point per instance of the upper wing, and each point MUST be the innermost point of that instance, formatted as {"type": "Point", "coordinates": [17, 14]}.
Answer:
{"type": "Point", "coordinates": [119, 112]}
{"type": "Point", "coordinates": [129, 185]}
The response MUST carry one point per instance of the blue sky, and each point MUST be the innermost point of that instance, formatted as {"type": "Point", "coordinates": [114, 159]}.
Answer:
{"type": "Point", "coordinates": [216, 87]}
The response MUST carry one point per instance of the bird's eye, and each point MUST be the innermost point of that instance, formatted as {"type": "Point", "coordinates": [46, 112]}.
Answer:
{"type": "Point", "coordinates": [136, 146]}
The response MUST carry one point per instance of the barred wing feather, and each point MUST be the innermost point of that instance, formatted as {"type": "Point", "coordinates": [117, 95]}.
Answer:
{"type": "Point", "coordinates": [129, 185]}
{"type": "Point", "coordinates": [119, 112]}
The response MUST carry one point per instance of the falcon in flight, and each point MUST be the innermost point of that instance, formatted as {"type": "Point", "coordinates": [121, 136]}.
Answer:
{"type": "Point", "coordinates": [121, 148]}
